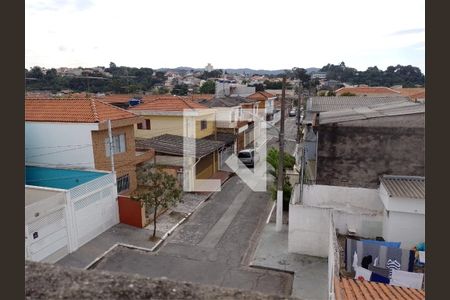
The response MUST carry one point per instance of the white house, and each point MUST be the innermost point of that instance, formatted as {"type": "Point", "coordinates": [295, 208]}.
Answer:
{"type": "Point", "coordinates": [65, 209]}
{"type": "Point", "coordinates": [403, 198]}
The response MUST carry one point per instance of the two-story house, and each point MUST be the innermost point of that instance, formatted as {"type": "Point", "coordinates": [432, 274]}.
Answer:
{"type": "Point", "coordinates": [73, 133]}
{"type": "Point", "coordinates": [233, 121]}
{"type": "Point", "coordinates": [169, 122]}
{"type": "Point", "coordinates": [266, 103]}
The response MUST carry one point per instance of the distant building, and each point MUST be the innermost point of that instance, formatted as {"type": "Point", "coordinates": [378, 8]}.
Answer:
{"type": "Point", "coordinates": [225, 88]}
{"type": "Point", "coordinates": [319, 75]}
{"type": "Point", "coordinates": [209, 68]}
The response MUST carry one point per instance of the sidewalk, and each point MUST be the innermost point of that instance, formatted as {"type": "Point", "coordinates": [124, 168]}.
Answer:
{"type": "Point", "coordinates": [125, 235]}
{"type": "Point", "coordinates": [310, 273]}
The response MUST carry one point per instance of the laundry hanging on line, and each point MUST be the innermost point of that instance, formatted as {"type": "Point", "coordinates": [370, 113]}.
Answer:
{"type": "Point", "coordinates": [405, 257]}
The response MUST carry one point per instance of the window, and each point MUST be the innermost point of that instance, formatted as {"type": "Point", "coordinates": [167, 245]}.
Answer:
{"type": "Point", "coordinates": [118, 144]}
{"type": "Point", "coordinates": [123, 183]}
{"type": "Point", "coordinates": [146, 125]}
{"type": "Point", "coordinates": [203, 124]}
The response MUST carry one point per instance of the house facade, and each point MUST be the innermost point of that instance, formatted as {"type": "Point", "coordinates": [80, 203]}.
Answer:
{"type": "Point", "coordinates": [73, 133]}
{"type": "Point", "coordinates": [266, 103]}
{"type": "Point", "coordinates": [167, 123]}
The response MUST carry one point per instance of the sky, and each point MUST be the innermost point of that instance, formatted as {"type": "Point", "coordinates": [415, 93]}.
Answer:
{"type": "Point", "coordinates": [261, 34]}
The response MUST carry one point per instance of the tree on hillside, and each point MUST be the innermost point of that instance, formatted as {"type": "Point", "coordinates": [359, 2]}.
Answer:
{"type": "Point", "coordinates": [157, 190]}
{"type": "Point", "coordinates": [208, 87]}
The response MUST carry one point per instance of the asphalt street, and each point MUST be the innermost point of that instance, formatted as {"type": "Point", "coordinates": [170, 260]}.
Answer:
{"type": "Point", "coordinates": [212, 247]}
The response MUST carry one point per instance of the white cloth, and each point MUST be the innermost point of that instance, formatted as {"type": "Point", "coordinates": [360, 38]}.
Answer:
{"type": "Point", "coordinates": [375, 263]}
{"type": "Point", "coordinates": [407, 279]}
{"type": "Point", "coordinates": [355, 261]}
{"type": "Point", "coordinates": [361, 272]}
{"type": "Point", "coordinates": [422, 257]}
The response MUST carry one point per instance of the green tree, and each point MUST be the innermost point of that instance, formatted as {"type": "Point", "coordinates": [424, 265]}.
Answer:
{"type": "Point", "coordinates": [348, 94]}
{"type": "Point", "coordinates": [208, 87]}
{"type": "Point", "coordinates": [180, 89]}
{"type": "Point", "coordinates": [289, 161]}
{"type": "Point", "coordinates": [157, 189]}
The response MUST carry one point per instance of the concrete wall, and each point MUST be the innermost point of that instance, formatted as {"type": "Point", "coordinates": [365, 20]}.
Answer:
{"type": "Point", "coordinates": [45, 142]}
{"type": "Point", "coordinates": [359, 209]}
{"type": "Point", "coordinates": [339, 196]}
{"type": "Point", "coordinates": [358, 155]}
{"type": "Point", "coordinates": [406, 205]}
{"type": "Point", "coordinates": [407, 228]}
{"type": "Point", "coordinates": [308, 230]}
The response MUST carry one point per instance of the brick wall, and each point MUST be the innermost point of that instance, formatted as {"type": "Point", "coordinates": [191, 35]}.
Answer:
{"type": "Point", "coordinates": [357, 156]}
{"type": "Point", "coordinates": [125, 163]}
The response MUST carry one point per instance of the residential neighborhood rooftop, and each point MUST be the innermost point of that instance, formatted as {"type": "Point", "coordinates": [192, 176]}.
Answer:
{"type": "Point", "coordinates": [224, 101]}
{"type": "Point", "coordinates": [371, 111]}
{"type": "Point", "coordinates": [367, 90]}
{"type": "Point", "coordinates": [404, 186]}
{"type": "Point", "coordinates": [347, 289]}
{"type": "Point", "coordinates": [321, 104]}
{"type": "Point", "coordinates": [169, 103]}
{"type": "Point", "coordinates": [261, 95]}
{"type": "Point", "coordinates": [73, 111]}
{"type": "Point", "coordinates": [174, 145]}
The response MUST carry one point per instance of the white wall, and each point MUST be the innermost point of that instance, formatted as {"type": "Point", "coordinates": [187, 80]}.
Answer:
{"type": "Point", "coordinates": [407, 228]}
{"type": "Point", "coordinates": [409, 205]}
{"type": "Point", "coordinates": [340, 196]}
{"type": "Point", "coordinates": [359, 209]}
{"type": "Point", "coordinates": [43, 139]}
{"type": "Point", "coordinates": [223, 117]}
{"type": "Point", "coordinates": [309, 230]}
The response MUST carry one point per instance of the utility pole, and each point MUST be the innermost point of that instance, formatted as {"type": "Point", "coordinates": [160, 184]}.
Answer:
{"type": "Point", "coordinates": [111, 146]}
{"type": "Point", "coordinates": [279, 218]}
{"type": "Point", "coordinates": [300, 89]}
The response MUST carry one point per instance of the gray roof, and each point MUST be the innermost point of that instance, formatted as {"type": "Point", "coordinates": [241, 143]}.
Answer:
{"type": "Point", "coordinates": [225, 101]}
{"type": "Point", "coordinates": [321, 104]}
{"type": "Point", "coordinates": [372, 111]}
{"type": "Point", "coordinates": [173, 145]}
{"type": "Point", "coordinates": [404, 186]}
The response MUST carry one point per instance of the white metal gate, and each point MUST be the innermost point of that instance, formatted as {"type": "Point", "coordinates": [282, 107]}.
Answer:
{"type": "Point", "coordinates": [47, 237]}
{"type": "Point", "coordinates": [94, 214]}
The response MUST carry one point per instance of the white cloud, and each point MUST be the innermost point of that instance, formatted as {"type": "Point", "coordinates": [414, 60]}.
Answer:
{"type": "Point", "coordinates": [256, 34]}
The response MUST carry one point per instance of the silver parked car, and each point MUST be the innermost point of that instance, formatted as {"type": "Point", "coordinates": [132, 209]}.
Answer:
{"type": "Point", "coordinates": [248, 157]}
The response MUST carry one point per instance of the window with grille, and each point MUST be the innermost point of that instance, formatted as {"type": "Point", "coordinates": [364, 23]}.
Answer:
{"type": "Point", "coordinates": [118, 144]}
{"type": "Point", "coordinates": [146, 125]}
{"type": "Point", "coordinates": [203, 124]}
{"type": "Point", "coordinates": [123, 183]}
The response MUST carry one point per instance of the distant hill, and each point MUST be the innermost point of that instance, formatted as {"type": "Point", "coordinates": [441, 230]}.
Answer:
{"type": "Point", "coordinates": [246, 71]}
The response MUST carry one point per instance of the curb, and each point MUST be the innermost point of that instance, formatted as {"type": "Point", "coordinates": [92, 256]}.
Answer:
{"type": "Point", "coordinates": [168, 233]}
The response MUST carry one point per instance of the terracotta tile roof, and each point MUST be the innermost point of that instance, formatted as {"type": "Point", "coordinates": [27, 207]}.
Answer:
{"type": "Point", "coordinates": [367, 90]}
{"type": "Point", "coordinates": [73, 111]}
{"type": "Point", "coordinates": [168, 103]}
{"type": "Point", "coordinates": [124, 98]}
{"type": "Point", "coordinates": [413, 93]}
{"type": "Point", "coordinates": [196, 97]}
{"type": "Point", "coordinates": [346, 288]}
{"type": "Point", "coordinates": [261, 96]}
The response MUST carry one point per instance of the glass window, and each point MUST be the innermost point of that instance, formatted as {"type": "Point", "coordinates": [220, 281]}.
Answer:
{"type": "Point", "coordinates": [123, 183]}
{"type": "Point", "coordinates": [118, 144]}
{"type": "Point", "coordinates": [203, 124]}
